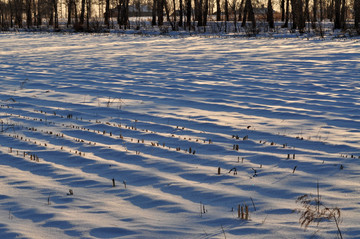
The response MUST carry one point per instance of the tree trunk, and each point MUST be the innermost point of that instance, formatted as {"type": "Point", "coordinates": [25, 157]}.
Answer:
{"type": "Point", "coordinates": [121, 13]}
{"type": "Point", "coordinates": [314, 18]}
{"type": "Point", "coordinates": [125, 13]}
{"type": "Point", "coordinates": [28, 14]}
{"type": "Point", "coordinates": [168, 15]}
{"type": "Point", "coordinates": [233, 8]}
{"type": "Point", "coordinates": [82, 14]}
{"type": "Point", "coordinates": [298, 15]}
{"type": "Point", "coordinates": [270, 14]}
{"type": "Point", "coordinates": [188, 13]}
{"type": "Point", "coordinates": [343, 15]}
{"type": "Point", "coordinates": [226, 10]}
{"type": "Point", "coordinates": [56, 18]}
{"type": "Point", "coordinates": [39, 14]}
{"type": "Point", "coordinates": [282, 8]}
{"type": "Point", "coordinates": [321, 10]}
{"type": "Point", "coordinates": [294, 14]}
{"type": "Point", "coordinates": [301, 17]}
{"type": "Point", "coordinates": [218, 10]}
{"type": "Point", "coordinates": [337, 21]}
{"type": "Point", "coordinates": [249, 14]}
{"type": "Point", "coordinates": [241, 9]}
{"type": "Point", "coordinates": [69, 12]}
{"type": "Point", "coordinates": [205, 12]}
{"type": "Point", "coordinates": [307, 12]}
{"type": "Point", "coordinates": [287, 13]}
{"type": "Point", "coordinates": [107, 13]}
{"type": "Point", "coordinates": [51, 17]}
{"type": "Point", "coordinates": [160, 12]}
{"type": "Point", "coordinates": [181, 13]}
{"type": "Point", "coordinates": [331, 10]}
{"type": "Point", "coordinates": [154, 11]}
{"type": "Point", "coordinates": [75, 13]}
{"type": "Point", "coordinates": [18, 12]}
{"type": "Point", "coordinates": [174, 12]}
{"type": "Point", "coordinates": [252, 16]}
{"type": "Point", "coordinates": [88, 14]}
{"type": "Point", "coordinates": [199, 11]}
{"type": "Point", "coordinates": [357, 15]}
{"type": "Point", "coordinates": [243, 24]}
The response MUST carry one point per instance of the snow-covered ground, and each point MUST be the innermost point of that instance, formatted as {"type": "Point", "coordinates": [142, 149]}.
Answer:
{"type": "Point", "coordinates": [158, 116]}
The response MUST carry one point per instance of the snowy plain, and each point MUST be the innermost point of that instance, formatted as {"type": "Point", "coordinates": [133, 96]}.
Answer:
{"type": "Point", "coordinates": [158, 116]}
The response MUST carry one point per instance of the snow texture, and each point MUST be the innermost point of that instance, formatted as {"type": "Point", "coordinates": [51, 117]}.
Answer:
{"type": "Point", "coordinates": [121, 136]}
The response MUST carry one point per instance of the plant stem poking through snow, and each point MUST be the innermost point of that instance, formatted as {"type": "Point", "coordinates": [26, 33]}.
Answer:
{"type": "Point", "coordinates": [223, 231]}
{"type": "Point", "coordinates": [243, 212]}
{"type": "Point", "coordinates": [233, 169]}
{"type": "Point", "coordinates": [255, 172]}
{"type": "Point", "coordinates": [253, 203]}
{"type": "Point", "coordinates": [294, 169]}
{"type": "Point", "coordinates": [202, 209]}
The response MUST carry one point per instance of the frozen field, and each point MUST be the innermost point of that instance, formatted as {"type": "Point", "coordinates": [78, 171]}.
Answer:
{"type": "Point", "coordinates": [158, 117]}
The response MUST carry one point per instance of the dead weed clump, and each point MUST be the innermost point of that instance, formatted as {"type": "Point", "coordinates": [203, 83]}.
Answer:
{"type": "Point", "coordinates": [313, 211]}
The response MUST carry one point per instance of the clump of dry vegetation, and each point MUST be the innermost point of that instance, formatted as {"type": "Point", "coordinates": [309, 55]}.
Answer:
{"type": "Point", "coordinates": [313, 211]}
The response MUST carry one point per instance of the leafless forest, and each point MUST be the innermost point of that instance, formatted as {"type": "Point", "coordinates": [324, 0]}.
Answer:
{"type": "Point", "coordinates": [180, 15]}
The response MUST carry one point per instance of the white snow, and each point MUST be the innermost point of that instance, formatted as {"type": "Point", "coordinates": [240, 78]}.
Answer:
{"type": "Point", "coordinates": [92, 108]}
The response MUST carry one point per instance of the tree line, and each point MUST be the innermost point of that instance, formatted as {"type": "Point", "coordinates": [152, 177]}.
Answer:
{"type": "Point", "coordinates": [185, 14]}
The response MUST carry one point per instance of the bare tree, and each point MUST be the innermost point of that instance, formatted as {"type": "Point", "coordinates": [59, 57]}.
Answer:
{"type": "Point", "coordinates": [241, 9]}
{"type": "Point", "coordinates": [123, 13]}
{"type": "Point", "coordinates": [160, 12]}
{"type": "Point", "coordinates": [154, 12]}
{"type": "Point", "coordinates": [218, 10]}
{"type": "Point", "coordinates": [321, 4]}
{"type": "Point", "coordinates": [233, 9]}
{"type": "Point", "coordinates": [181, 13]}
{"type": "Point", "coordinates": [249, 14]}
{"type": "Point", "coordinates": [226, 10]}
{"type": "Point", "coordinates": [107, 13]}
{"type": "Point", "coordinates": [88, 13]}
{"type": "Point", "coordinates": [201, 11]}
{"type": "Point", "coordinates": [330, 10]}
{"type": "Point", "coordinates": [56, 18]}
{"type": "Point", "coordinates": [82, 12]}
{"type": "Point", "coordinates": [205, 12]}
{"type": "Point", "coordinates": [270, 14]}
{"type": "Point", "coordinates": [357, 15]}
{"type": "Point", "coordinates": [39, 12]}
{"type": "Point", "coordinates": [282, 9]}
{"type": "Point", "coordinates": [167, 11]}
{"type": "Point", "coordinates": [188, 13]}
{"type": "Point", "coordinates": [343, 14]}
{"type": "Point", "coordinates": [198, 11]}
{"type": "Point", "coordinates": [174, 12]}
{"type": "Point", "coordinates": [28, 13]}
{"type": "Point", "coordinates": [18, 8]}
{"type": "Point", "coordinates": [307, 11]}
{"type": "Point", "coordinates": [337, 21]}
{"type": "Point", "coordinates": [298, 15]}
{"type": "Point", "coordinates": [314, 18]}
{"type": "Point", "coordinates": [287, 13]}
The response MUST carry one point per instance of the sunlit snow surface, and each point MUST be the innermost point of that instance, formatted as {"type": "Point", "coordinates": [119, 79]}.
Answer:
{"type": "Point", "coordinates": [92, 108]}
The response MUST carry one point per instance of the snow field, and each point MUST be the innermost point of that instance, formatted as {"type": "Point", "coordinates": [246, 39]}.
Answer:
{"type": "Point", "coordinates": [160, 115]}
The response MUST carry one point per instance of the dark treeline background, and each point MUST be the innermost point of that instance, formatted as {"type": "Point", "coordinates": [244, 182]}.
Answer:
{"type": "Point", "coordinates": [92, 15]}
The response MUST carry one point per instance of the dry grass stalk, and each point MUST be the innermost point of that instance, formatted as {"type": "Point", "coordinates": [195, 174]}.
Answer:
{"type": "Point", "coordinates": [313, 211]}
